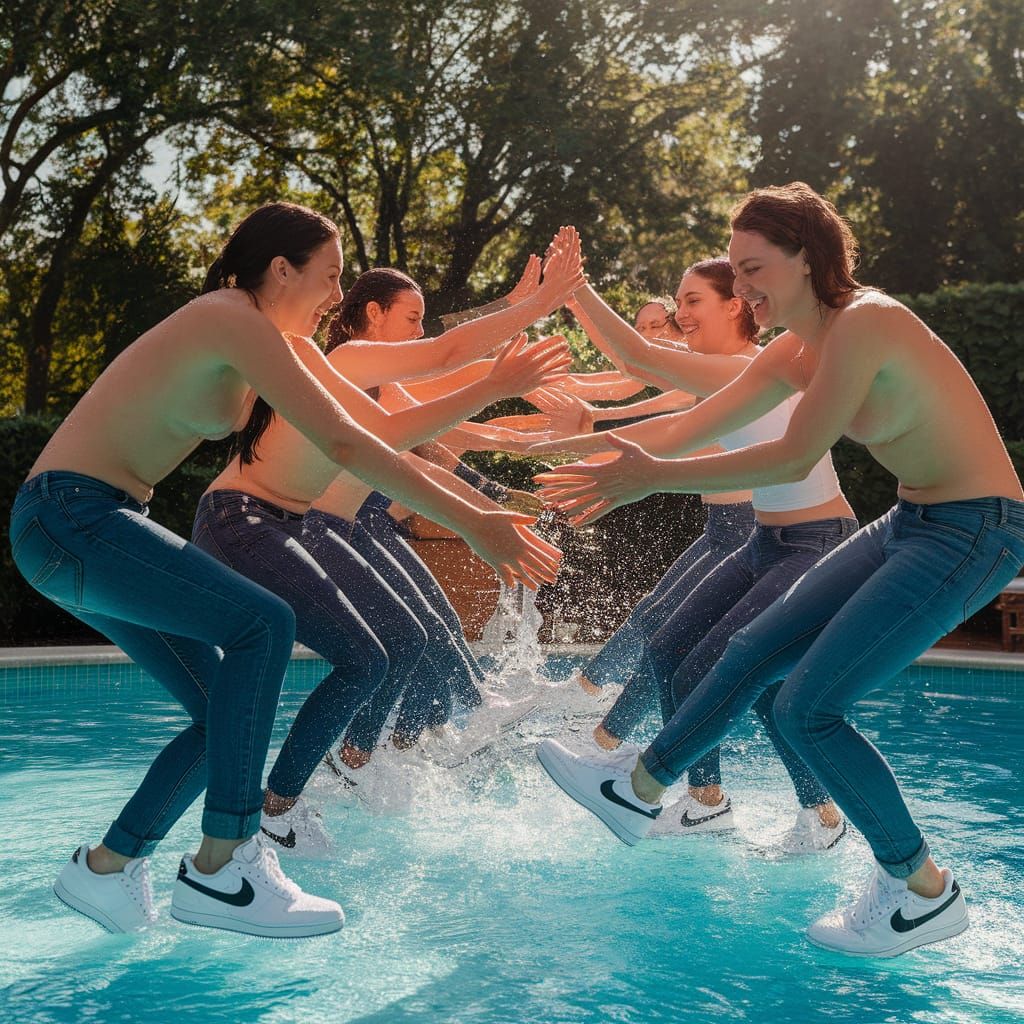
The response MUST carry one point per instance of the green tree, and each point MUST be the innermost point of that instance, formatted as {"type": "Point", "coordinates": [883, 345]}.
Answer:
{"type": "Point", "coordinates": [908, 115]}
{"type": "Point", "coordinates": [455, 137]}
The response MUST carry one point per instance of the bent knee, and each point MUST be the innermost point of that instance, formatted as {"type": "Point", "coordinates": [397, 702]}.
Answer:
{"type": "Point", "coordinates": [800, 718]}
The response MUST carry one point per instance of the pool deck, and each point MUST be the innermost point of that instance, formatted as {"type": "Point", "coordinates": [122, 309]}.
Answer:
{"type": "Point", "coordinates": [102, 654]}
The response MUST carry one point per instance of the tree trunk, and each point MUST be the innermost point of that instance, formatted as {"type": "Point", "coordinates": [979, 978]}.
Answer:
{"type": "Point", "coordinates": [40, 346]}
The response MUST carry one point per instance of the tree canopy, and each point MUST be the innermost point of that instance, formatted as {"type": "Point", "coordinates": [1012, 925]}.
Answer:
{"type": "Point", "coordinates": [451, 138]}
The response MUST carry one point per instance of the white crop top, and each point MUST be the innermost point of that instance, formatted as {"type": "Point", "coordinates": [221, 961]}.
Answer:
{"type": "Point", "coordinates": [819, 486]}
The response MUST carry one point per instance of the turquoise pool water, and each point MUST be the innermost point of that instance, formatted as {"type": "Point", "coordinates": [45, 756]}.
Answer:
{"type": "Point", "coordinates": [493, 898]}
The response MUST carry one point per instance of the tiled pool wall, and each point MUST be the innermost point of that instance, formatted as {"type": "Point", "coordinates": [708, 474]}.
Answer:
{"type": "Point", "coordinates": [107, 673]}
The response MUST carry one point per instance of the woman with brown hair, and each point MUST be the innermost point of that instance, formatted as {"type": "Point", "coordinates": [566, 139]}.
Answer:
{"type": "Point", "coordinates": [870, 369]}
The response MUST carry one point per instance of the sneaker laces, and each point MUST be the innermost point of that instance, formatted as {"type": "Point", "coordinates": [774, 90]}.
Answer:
{"type": "Point", "coordinates": [877, 901]}
{"type": "Point", "coordinates": [267, 863]}
{"type": "Point", "coordinates": [142, 883]}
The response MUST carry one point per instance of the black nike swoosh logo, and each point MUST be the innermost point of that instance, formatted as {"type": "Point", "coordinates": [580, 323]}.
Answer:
{"type": "Point", "coordinates": [686, 821]}
{"type": "Point", "coordinates": [242, 898]}
{"type": "Point", "coordinates": [288, 841]}
{"type": "Point", "coordinates": [901, 924]}
{"type": "Point", "coordinates": [608, 792]}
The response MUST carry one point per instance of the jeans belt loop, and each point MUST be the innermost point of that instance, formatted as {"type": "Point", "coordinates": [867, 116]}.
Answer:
{"type": "Point", "coordinates": [1004, 511]}
{"type": "Point", "coordinates": [44, 484]}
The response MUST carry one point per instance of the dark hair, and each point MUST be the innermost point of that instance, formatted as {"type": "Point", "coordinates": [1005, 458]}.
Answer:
{"type": "Point", "coordinates": [720, 275]}
{"type": "Point", "coordinates": [381, 285]}
{"type": "Point", "coordinates": [276, 229]}
{"type": "Point", "coordinates": [795, 217]}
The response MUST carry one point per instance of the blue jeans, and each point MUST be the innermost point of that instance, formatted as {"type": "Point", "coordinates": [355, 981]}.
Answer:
{"type": "Point", "coordinates": [426, 696]}
{"type": "Point", "coordinates": [850, 624]}
{"type": "Point", "coordinates": [343, 610]}
{"type": "Point", "coordinates": [696, 635]}
{"type": "Point", "coordinates": [218, 642]}
{"type": "Point", "coordinates": [383, 528]}
{"type": "Point", "coordinates": [623, 656]}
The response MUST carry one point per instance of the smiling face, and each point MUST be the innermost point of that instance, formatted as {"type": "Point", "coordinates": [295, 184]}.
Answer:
{"type": "Point", "coordinates": [305, 294]}
{"type": "Point", "coordinates": [774, 283]}
{"type": "Point", "coordinates": [651, 320]}
{"type": "Point", "coordinates": [710, 322]}
{"type": "Point", "coordinates": [401, 321]}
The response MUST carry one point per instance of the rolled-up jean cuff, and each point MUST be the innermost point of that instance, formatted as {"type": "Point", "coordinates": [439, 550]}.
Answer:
{"type": "Point", "coordinates": [228, 825]}
{"type": "Point", "coordinates": [120, 841]}
{"type": "Point", "coordinates": [656, 770]}
{"type": "Point", "coordinates": [905, 868]}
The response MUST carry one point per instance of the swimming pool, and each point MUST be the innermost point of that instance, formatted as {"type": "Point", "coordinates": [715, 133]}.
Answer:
{"type": "Point", "coordinates": [495, 898]}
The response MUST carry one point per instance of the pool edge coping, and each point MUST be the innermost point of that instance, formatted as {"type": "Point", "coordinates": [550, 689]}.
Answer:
{"type": "Point", "coordinates": [25, 657]}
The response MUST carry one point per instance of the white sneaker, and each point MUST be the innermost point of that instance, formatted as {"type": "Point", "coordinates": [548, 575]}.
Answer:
{"type": "Point", "coordinates": [300, 830]}
{"type": "Point", "coordinates": [809, 835]}
{"type": "Point", "coordinates": [251, 894]}
{"type": "Point", "coordinates": [120, 902]}
{"type": "Point", "coordinates": [889, 919]}
{"type": "Point", "coordinates": [687, 816]}
{"type": "Point", "coordinates": [601, 783]}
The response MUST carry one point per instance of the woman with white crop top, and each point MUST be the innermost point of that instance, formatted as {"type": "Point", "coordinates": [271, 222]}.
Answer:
{"type": "Point", "coordinates": [796, 524]}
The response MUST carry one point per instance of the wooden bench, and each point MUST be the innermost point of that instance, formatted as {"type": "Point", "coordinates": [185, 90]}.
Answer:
{"type": "Point", "coordinates": [1011, 604]}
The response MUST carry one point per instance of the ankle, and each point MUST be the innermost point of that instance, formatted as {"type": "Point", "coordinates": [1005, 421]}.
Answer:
{"type": "Point", "coordinates": [828, 815]}
{"type": "Point", "coordinates": [709, 796]}
{"type": "Point", "coordinates": [927, 881]}
{"type": "Point", "coordinates": [215, 853]}
{"type": "Point", "coordinates": [102, 861]}
{"type": "Point", "coordinates": [273, 805]}
{"type": "Point", "coordinates": [605, 740]}
{"type": "Point", "coordinates": [588, 687]}
{"type": "Point", "coordinates": [402, 742]}
{"type": "Point", "coordinates": [645, 786]}
{"type": "Point", "coordinates": [353, 756]}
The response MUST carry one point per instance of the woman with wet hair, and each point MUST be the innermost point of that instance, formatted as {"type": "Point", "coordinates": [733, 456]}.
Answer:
{"type": "Point", "coordinates": [251, 518]}
{"type": "Point", "coordinates": [869, 369]}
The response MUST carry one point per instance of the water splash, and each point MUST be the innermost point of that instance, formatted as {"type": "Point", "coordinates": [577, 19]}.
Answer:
{"type": "Point", "coordinates": [510, 639]}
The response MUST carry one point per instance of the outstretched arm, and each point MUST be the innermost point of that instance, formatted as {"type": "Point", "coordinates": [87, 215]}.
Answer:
{"type": "Point", "coordinates": [840, 386]}
{"type": "Point", "coordinates": [669, 401]}
{"type": "Point", "coordinates": [368, 363]}
{"type": "Point", "coordinates": [518, 368]}
{"type": "Point", "coordinates": [690, 371]}
{"type": "Point", "coordinates": [753, 393]}
{"type": "Point", "coordinates": [604, 386]}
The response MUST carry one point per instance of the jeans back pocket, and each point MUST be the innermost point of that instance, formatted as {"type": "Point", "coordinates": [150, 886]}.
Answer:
{"type": "Point", "coordinates": [47, 566]}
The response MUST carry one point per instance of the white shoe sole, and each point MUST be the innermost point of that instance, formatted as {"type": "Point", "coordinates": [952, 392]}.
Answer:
{"type": "Point", "coordinates": [911, 942]}
{"type": "Point", "coordinates": [552, 765]}
{"type": "Point", "coordinates": [234, 924]}
{"type": "Point", "coordinates": [74, 902]}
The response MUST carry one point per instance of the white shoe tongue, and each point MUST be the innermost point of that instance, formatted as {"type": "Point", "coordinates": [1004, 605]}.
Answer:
{"type": "Point", "coordinates": [248, 851]}
{"type": "Point", "coordinates": [133, 869]}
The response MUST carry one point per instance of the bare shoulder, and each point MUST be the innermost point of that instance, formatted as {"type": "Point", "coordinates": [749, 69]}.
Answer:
{"type": "Point", "coordinates": [219, 322]}
{"type": "Point", "coordinates": [872, 316]}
